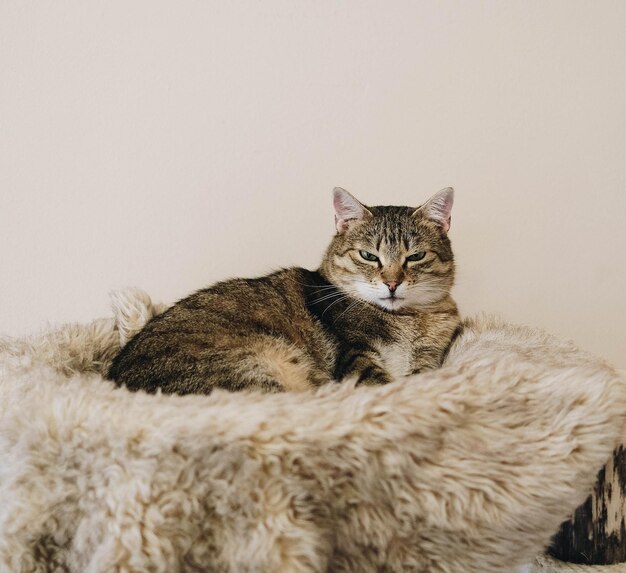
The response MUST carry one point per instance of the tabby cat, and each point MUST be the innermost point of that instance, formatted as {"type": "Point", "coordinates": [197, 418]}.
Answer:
{"type": "Point", "coordinates": [378, 309]}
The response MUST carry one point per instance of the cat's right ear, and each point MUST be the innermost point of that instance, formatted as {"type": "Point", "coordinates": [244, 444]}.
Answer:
{"type": "Point", "coordinates": [347, 209]}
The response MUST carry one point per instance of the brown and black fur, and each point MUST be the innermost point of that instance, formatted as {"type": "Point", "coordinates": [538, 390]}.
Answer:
{"type": "Point", "coordinates": [296, 329]}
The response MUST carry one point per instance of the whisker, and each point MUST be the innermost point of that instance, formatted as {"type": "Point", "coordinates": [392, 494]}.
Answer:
{"type": "Point", "coordinates": [335, 302]}
{"type": "Point", "coordinates": [327, 296]}
{"type": "Point", "coordinates": [315, 286]}
{"type": "Point", "coordinates": [357, 301]}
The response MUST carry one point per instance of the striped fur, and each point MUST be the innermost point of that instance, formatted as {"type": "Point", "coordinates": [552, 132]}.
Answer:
{"type": "Point", "coordinates": [297, 329]}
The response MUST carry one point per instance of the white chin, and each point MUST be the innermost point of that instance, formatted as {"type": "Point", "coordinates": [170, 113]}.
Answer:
{"type": "Point", "coordinates": [391, 303]}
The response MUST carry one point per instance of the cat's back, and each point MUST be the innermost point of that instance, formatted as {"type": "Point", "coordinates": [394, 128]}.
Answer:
{"type": "Point", "coordinates": [254, 301]}
{"type": "Point", "coordinates": [270, 302]}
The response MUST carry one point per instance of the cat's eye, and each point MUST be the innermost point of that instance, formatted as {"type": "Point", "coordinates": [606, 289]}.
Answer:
{"type": "Point", "coordinates": [416, 256]}
{"type": "Point", "coordinates": [368, 256]}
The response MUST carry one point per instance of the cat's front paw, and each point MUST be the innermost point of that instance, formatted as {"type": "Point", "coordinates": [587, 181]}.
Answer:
{"type": "Point", "coordinates": [373, 376]}
{"type": "Point", "coordinates": [366, 378]}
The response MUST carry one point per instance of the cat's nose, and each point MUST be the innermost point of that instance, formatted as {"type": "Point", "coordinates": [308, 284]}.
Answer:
{"type": "Point", "coordinates": [392, 286]}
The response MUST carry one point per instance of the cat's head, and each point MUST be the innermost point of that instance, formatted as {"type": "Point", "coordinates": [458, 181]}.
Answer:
{"type": "Point", "coordinates": [398, 258]}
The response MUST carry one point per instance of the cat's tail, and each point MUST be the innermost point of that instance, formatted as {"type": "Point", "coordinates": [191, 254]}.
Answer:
{"type": "Point", "coordinates": [132, 309]}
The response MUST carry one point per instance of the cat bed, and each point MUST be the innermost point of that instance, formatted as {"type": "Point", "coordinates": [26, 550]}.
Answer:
{"type": "Point", "coordinates": [470, 468]}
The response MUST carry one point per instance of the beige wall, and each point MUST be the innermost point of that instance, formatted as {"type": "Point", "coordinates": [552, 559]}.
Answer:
{"type": "Point", "coordinates": [171, 144]}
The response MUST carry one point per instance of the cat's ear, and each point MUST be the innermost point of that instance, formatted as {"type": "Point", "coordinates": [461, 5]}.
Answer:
{"type": "Point", "coordinates": [439, 208]}
{"type": "Point", "coordinates": [347, 209]}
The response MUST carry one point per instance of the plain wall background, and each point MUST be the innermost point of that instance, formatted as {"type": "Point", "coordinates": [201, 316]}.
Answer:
{"type": "Point", "coordinates": [168, 145]}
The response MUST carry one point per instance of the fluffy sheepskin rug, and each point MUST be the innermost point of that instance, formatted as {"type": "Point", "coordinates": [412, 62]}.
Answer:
{"type": "Point", "coordinates": [468, 469]}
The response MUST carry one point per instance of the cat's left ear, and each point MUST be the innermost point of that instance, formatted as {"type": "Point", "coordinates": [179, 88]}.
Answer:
{"type": "Point", "coordinates": [439, 208]}
{"type": "Point", "coordinates": [347, 209]}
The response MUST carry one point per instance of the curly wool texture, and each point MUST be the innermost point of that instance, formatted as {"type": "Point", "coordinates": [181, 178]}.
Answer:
{"type": "Point", "coordinates": [470, 468]}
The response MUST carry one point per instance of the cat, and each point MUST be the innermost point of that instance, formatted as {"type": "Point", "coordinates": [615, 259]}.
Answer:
{"type": "Point", "coordinates": [378, 309]}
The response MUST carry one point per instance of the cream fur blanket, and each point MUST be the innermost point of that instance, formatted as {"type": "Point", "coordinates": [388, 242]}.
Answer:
{"type": "Point", "coordinates": [468, 469]}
